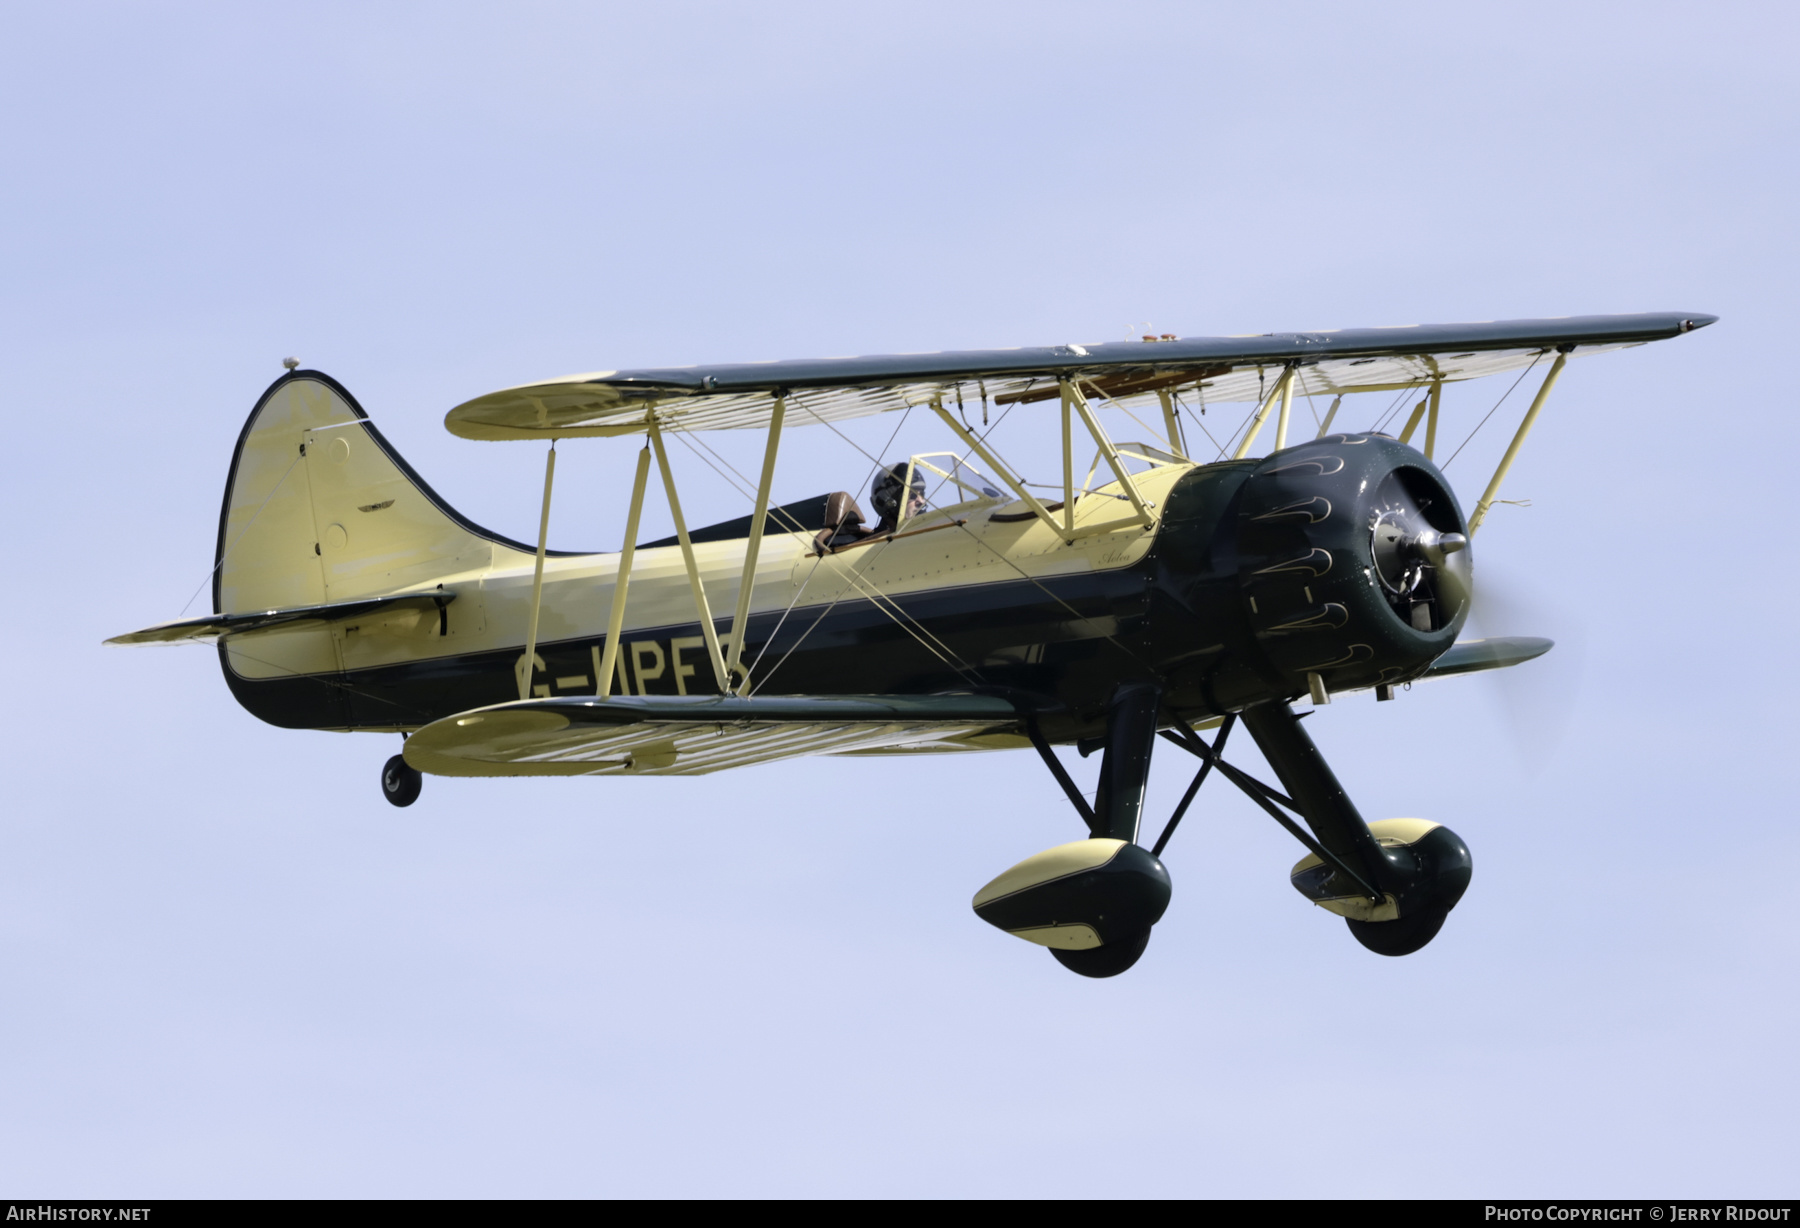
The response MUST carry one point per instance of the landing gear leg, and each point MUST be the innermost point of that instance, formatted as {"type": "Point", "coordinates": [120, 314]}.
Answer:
{"type": "Point", "coordinates": [400, 781]}
{"type": "Point", "coordinates": [1420, 869]}
{"type": "Point", "coordinates": [1092, 902]}
{"type": "Point", "coordinates": [1314, 787]}
{"type": "Point", "coordinates": [1118, 812]}
{"type": "Point", "coordinates": [1130, 737]}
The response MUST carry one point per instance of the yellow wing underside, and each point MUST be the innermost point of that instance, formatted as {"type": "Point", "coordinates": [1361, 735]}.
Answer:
{"type": "Point", "coordinates": [524, 742]}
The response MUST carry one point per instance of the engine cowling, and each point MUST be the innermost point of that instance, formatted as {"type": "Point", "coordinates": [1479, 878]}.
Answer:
{"type": "Point", "coordinates": [1353, 561]}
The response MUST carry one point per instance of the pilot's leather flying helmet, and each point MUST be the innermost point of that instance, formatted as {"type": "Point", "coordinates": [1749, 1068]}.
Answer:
{"type": "Point", "coordinates": [885, 493]}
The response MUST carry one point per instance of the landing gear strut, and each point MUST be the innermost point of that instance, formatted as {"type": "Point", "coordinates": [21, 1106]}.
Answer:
{"type": "Point", "coordinates": [1118, 813]}
{"type": "Point", "coordinates": [1093, 901]}
{"type": "Point", "coordinates": [1393, 881]}
{"type": "Point", "coordinates": [400, 781]}
{"type": "Point", "coordinates": [1418, 870]}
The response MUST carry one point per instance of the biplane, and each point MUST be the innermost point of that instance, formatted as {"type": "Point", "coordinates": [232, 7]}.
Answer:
{"type": "Point", "coordinates": [1172, 591]}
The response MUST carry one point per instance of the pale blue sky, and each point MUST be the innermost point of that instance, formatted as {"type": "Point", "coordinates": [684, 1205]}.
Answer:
{"type": "Point", "coordinates": [230, 968]}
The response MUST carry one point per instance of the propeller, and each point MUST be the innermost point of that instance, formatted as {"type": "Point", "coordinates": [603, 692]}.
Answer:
{"type": "Point", "coordinates": [1533, 699]}
{"type": "Point", "coordinates": [1425, 570]}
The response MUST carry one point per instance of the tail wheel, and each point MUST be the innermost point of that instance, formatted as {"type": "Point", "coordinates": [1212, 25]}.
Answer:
{"type": "Point", "coordinates": [400, 781]}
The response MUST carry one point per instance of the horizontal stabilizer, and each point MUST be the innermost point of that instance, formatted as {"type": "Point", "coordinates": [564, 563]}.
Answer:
{"type": "Point", "coordinates": [676, 735]}
{"type": "Point", "coordinates": [1470, 656]}
{"type": "Point", "coordinates": [211, 628]}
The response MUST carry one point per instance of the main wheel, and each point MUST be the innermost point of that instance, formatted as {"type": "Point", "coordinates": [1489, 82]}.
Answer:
{"type": "Point", "coordinates": [1401, 936]}
{"type": "Point", "coordinates": [1109, 960]}
{"type": "Point", "coordinates": [400, 781]}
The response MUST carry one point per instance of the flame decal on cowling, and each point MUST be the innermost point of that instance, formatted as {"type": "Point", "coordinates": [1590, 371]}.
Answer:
{"type": "Point", "coordinates": [1357, 653]}
{"type": "Point", "coordinates": [1313, 466]}
{"type": "Point", "coordinates": [1314, 562]}
{"type": "Point", "coordinates": [1307, 511]}
{"type": "Point", "coordinates": [1327, 617]}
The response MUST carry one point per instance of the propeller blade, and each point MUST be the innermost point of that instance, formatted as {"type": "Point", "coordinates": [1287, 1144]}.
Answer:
{"type": "Point", "coordinates": [1532, 698]}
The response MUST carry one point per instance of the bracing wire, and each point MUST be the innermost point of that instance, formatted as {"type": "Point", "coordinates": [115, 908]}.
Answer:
{"type": "Point", "coordinates": [1001, 556]}
{"type": "Point", "coordinates": [895, 612]}
{"type": "Point", "coordinates": [1200, 422]}
{"type": "Point", "coordinates": [1399, 403]}
{"type": "Point", "coordinates": [1490, 413]}
{"type": "Point", "coordinates": [1311, 406]}
{"type": "Point", "coordinates": [782, 621]}
{"type": "Point", "coordinates": [1242, 427]}
{"type": "Point", "coordinates": [226, 553]}
{"type": "Point", "coordinates": [902, 618]}
{"type": "Point", "coordinates": [928, 640]}
{"type": "Point", "coordinates": [1126, 410]}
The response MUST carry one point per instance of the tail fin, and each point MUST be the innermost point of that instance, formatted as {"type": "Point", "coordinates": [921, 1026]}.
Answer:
{"type": "Point", "coordinates": [320, 508]}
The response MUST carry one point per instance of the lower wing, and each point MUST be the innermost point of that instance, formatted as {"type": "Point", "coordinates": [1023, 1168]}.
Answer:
{"type": "Point", "coordinates": [691, 735]}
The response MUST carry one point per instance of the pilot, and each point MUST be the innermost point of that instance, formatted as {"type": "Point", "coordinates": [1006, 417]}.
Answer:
{"type": "Point", "coordinates": [885, 496]}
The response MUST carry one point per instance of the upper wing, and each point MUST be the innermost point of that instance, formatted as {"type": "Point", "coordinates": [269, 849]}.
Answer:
{"type": "Point", "coordinates": [669, 735]}
{"type": "Point", "coordinates": [1224, 369]}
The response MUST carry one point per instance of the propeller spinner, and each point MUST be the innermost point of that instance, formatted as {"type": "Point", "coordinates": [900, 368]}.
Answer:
{"type": "Point", "coordinates": [1424, 571]}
